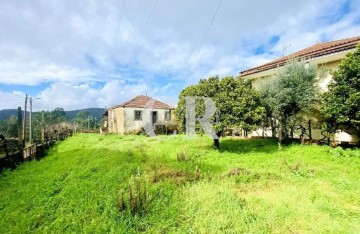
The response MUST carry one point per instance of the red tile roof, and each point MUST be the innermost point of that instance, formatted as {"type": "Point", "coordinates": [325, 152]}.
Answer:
{"type": "Point", "coordinates": [142, 101]}
{"type": "Point", "coordinates": [317, 50]}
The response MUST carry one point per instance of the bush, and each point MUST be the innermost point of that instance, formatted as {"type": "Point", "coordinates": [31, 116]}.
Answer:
{"type": "Point", "coordinates": [165, 129]}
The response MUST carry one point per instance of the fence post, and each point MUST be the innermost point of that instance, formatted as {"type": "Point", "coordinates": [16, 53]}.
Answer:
{"type": "Point", "coordinates": [310, 138]}
{"type": "Point", "coordinates": [24, 122]}
{"type": "Point", "coordinates": [20, 133]}
{"type": "Point", "coordinates": [42, 129]}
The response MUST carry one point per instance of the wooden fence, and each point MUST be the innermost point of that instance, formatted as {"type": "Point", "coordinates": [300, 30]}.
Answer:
{"type": "Point", "coordinates": [12, 153]}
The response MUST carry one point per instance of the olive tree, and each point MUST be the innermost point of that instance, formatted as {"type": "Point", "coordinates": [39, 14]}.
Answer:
{"type": "Point", "coordinates": [290, 92]}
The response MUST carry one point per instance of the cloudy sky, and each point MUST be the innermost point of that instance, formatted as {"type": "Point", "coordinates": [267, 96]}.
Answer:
{"type": "Point", "coordinates": [77, 54]}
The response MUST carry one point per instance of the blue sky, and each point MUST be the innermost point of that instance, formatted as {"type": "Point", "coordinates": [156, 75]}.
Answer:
{"type": "Point", "coordinates": [78, 54]}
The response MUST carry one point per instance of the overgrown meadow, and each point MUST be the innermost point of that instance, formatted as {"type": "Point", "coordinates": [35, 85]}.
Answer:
{"type": "Point", "coordinates": [172, 184]}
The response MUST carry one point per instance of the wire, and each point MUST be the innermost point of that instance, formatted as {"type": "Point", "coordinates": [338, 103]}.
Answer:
{"type": "Point", "coordinates": [118, 27]}
{"type": "Point", "coordinates": [132, 22]}
{"type": "Point", "coordinates": [10, 93]}
{"type": "Point", "coordinates": [146, 24]}
{"type": "Point", "coordinates": [14, 99]}
{"type": "Point", "coordinates": [208, 29]}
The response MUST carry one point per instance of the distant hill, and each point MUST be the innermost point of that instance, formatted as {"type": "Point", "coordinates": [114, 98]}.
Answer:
{"type": "Point", "coordinates": [94, 112]}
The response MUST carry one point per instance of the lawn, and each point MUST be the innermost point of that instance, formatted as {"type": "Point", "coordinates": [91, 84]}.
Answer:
{"type": "Point", "coordinates": [173, 184]}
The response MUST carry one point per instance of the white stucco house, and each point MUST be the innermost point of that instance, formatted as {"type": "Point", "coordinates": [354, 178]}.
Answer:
{"type": "Point", "coordinates": [326, 56]}
{"type": "Point", "coordinates": [131, 116]}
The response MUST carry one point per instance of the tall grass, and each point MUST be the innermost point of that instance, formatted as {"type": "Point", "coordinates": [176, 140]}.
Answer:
{"type": "Point", "coordinates": [130, 184]}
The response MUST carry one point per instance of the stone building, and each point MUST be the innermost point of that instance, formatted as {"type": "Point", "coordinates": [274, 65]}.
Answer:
{"type": "Point", "coordinates": [131, 116]}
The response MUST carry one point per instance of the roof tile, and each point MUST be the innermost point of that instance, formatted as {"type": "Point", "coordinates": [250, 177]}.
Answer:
{"type": "Point", "coordinates": [142, 101]}
{"type": "Point", "coordinates": [317, 50]}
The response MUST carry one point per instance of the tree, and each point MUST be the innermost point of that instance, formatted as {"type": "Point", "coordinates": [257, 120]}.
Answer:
{"type": "Point", "coordinates": [237, 104]}
{"type": "Point", "coordinates": [341, 106]}
{"type": "Point", "coordinates": [82, 117]}
{"type": "Point", "coordinates": [9, 127]}
{"type": "Point", "coordinates": [57, 115]}
{"type": "Point", "coordinates": [290, 92]}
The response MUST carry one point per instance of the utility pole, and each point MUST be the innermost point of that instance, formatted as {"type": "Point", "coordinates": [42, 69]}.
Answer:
{"type": "Point", "coordinates": [88, 122]}
{"type": "Point", "coordinates": [20, 132]}
{"type": "Point", "coordinates": [30, 122]}
{"type": "Point", "coordinates": [42, 129]}
{"type": "Point", "coordinates": [24, 121]}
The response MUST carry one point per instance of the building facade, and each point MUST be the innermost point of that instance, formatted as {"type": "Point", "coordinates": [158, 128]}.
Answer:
{"type": "Point", "coordinates": [132, 116]}
{"type": "Point", "coordinates": [327, 57]}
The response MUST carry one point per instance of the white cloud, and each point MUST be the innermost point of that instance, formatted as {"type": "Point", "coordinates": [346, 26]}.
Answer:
{"type": "Point", "coordinates": [114, 92]}
{"type": "Point", "coordinates": [11, 100]}
{"type": "Point", "coordinates": [131, 48]}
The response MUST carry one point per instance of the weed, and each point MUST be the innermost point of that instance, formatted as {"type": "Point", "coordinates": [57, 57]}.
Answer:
{"type": "Point", "coordinates": [179, 177]}
{"type": "Point", "coordinates": [135, 199]}
{"type": "Point", "coordinates": [130, 156]}
{"type": "Point", "coordinates": [297, 169]}
{"type": "Point", "coordinates": [181, 156]}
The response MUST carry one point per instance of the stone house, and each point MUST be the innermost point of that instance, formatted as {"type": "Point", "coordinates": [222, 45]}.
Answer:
{"type": "Point", "coordinates": [131, 116]}
{"type": "Point", "coordinates": [327, 57]}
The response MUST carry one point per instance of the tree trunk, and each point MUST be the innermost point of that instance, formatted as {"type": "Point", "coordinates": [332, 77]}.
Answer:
{"type": "Point", "coordinates": [282, 132]}
{"type": "Point", "coordinates": [217, 141]}
{"type": "Point", "coordinates": [280, 135]}
{"type": "Point", "coordinates": [273, 127]}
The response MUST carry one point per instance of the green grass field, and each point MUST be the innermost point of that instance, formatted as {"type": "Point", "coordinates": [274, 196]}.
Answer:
{"type": "Point", "coordinates": [173, 184]}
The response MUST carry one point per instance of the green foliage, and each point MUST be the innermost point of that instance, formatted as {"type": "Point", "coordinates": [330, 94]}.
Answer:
{"type": "Point", "coordinates": [237, 103]}
{"type": "Point", "coordinates": [83, 185]}
{"type": "Point", "coordinates": [9, 127]}
{"type": "Point", "coordinates": [340, 152]}
{"type": "Point", "coordinates": [341, 106]}
{"type": "Point", "coordinates": [291, 91]}
{"type": "Point", "coordinates": [84, 120]}
{"type": "Point", "coordinates": [82, 115]}
{"type": "Point", "coordinates": [56, 116]}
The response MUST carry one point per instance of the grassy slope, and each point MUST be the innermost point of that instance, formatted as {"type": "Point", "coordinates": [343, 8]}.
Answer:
{"type": "Point", "coordinates": [78, 185]}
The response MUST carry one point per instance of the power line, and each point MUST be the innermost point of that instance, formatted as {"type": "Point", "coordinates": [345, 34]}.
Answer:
{"type": "Point", "coordinates": [208, 29]}
{"type": "Point", "coordinates": [132, 22]}
{"type": "Point", "coordinates": [118, 27]}
{"type": "Point", "coordinates": [10, 93]}
{"type": "Point", "coordinates": [146, 24]}
{"type": "Point", "coordinates": [13, 99]}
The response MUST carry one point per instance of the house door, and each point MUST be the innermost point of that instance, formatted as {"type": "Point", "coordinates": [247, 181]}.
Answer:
{"type": "Point", "coordinates": [154, 117]}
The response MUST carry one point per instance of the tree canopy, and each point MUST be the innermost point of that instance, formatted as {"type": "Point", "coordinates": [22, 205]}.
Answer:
{"type": "Point", "coordinates": [290, 92]}
{"type": "Point", "coordinates": [341, 106]}
{"type": "Point", "coordinates": [237, 103]}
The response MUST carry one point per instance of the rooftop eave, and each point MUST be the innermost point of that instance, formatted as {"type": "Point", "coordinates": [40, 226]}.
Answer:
{"type": "Point", "coordinates": [317, 61]}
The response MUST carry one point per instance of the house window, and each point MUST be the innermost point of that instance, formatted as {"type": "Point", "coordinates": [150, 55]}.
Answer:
{"type": "Point", "coordinates": [137, 115]}
{"type": "Point", "coordinates": [167, 115]}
